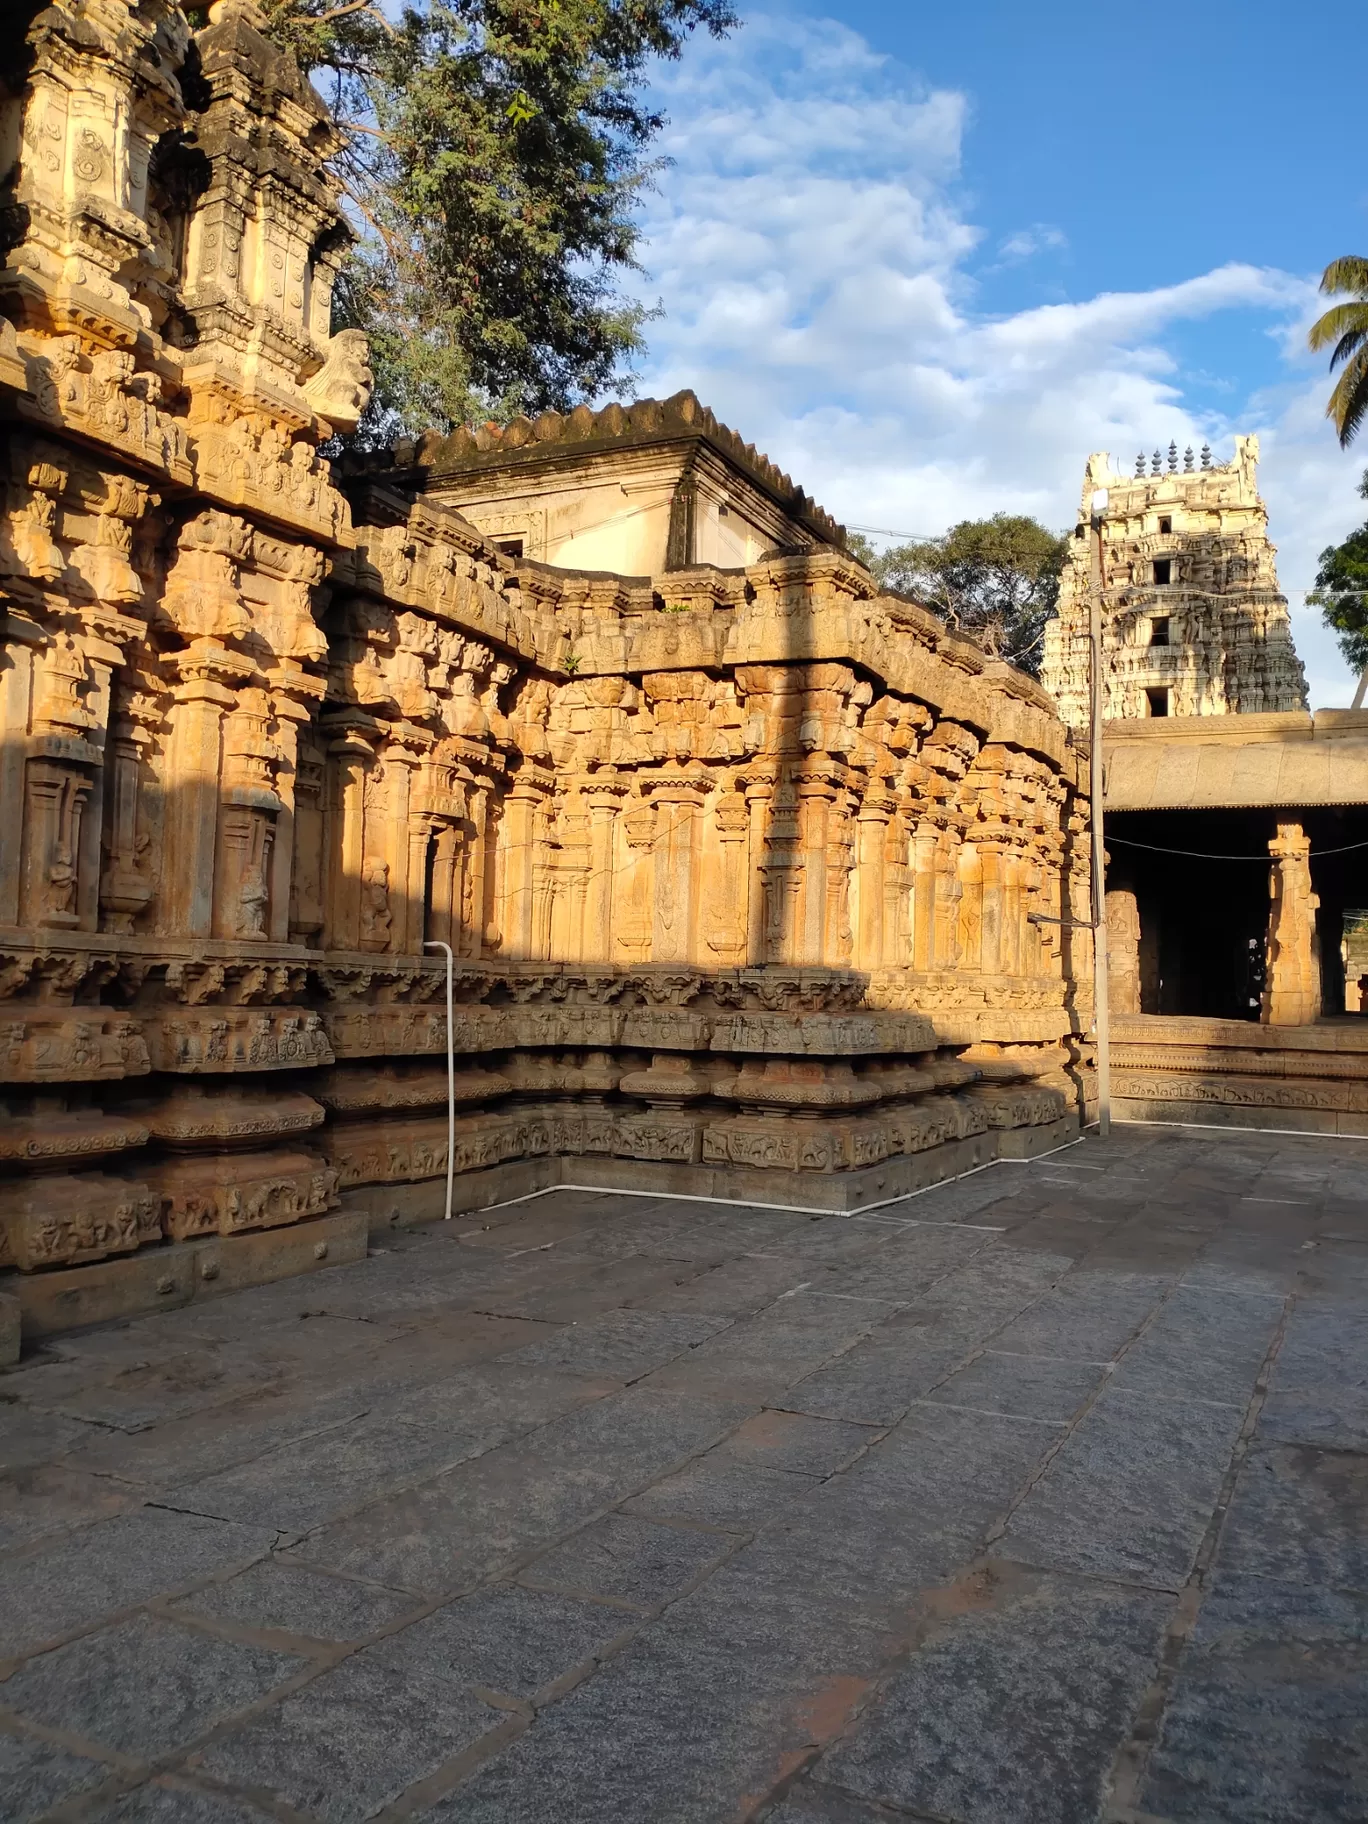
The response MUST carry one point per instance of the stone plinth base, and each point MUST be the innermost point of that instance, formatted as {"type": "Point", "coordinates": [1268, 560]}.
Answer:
{"type": "Point", "coordinates": [834, 1193]}
{"type": "Point", "coordinates": [182, 1272]}
{"type": "Point", "coordinates": [798, 1133]}
{"type": "Point", "coordinates": [1234, 1073]}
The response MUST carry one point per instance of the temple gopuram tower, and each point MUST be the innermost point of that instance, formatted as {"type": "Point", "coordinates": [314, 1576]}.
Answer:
{"type": "Point", "coordinates": [1193, 622]}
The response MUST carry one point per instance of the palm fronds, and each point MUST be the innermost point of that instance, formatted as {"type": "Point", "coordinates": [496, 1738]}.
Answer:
{"type": "Point", "coordinates": [1344, 330]}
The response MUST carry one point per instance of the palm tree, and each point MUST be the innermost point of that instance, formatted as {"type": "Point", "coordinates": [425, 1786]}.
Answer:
{"type": "Point", "coordinates": [1346, 326]}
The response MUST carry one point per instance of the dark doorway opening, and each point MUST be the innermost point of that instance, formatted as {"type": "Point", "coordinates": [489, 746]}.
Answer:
{"type": "Point", "coordinates": [1158, 700]}
{"type": "Point", "coordinates": [1204, 918]}
{"type": "Point", "coordinates": [1163, 570]}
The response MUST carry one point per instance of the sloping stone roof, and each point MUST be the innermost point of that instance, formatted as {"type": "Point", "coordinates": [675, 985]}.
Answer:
{"type": "Point", "coordinates": [644, 421]}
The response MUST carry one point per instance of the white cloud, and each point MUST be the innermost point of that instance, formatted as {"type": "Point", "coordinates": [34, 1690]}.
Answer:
{"type": "Point", "coordinates": [1026, 243]}
{"type": "Point", "coordinates": [812, 250]}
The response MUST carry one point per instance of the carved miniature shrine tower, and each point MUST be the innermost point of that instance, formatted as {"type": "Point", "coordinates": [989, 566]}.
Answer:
{"type": "Point", "coordinates": [1193, 622]}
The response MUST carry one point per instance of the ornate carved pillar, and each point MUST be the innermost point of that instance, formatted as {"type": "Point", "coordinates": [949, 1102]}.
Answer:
{"type": "Point", "coordinates": [871, 837]}
{"type": "Point", "coordinates": [59, 867]}
{"type": "Point", "coordinates": [292, 708]}
{"type": "Point", "coordinates": [518, 838]}
{"type": "Point", "coordinates": [604, 801]}
{"type": "Point", "coordinates": [23, 637]}
{"type": "Point", "coordinates": [419, 836]}
{"type": "Point", "coordinates": [193, 766]}
{"type": "Point", "coordinates": [839, 942]}
{"type": "Point", "coordinates": [247, 822]}
{"type": "Point", "coordinates": [633, 910]}
{"type": "Point", "coordinates": [351, 755]}
{"type": "Point", "coordinates": [443, 907]}
{"type": "Point", "coordinates": [1123, 951]}
{"type": "Point", "coordinates": [545, 856]}
{"type": "Point", "coordinates": [1010, 946]}
{"type": "Point", "coordinates": [945, 944]}
{"type": "Point", "coordinates": [125, 888]}
{"type": "Point", "coordinates": [56, 797]}
{"type": "Point", "coordinates": [726, 896]}
{"type": "Point", "coordinates": [924, 846]}
{"type": "Point", "coordinates": [992, 861]}
{"type": "Point", "coordinates": [970, 864]}
{"type": "Point", "coordinates": [1292, 988]}
{"type": "Point", "coordinates": [306, 870]}
{"type": "Point", "coordinates": [897, 919]}
{"type": "Point", "coordinates": [814, 796]}
{"type": "Point", "coordinates": [572, 882]}
{"type": "Point", "coordinates": [405, 894]}
{"type": "Point", "coordinates": [473, 877]}
{"type": "Point", "coordinates": [759, 794]}
{"type": "Point", "coordinates": [674, 926]}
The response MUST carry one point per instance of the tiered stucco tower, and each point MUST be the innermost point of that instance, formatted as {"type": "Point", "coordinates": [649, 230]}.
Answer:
{"type": "Point", "coordinates": [1193, 623]}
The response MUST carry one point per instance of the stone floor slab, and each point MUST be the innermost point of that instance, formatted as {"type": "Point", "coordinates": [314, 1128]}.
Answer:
{"type": "Point", "coordinates": [466, 1524]}
{"type": "Point", "coordinates": [1021, 1386]}
{"type": "Point", "coordinates": [1299, 1515]}
{"type": "Point", "coordinates": [718, 1491]}
{"type": "Point", "coordinates": [506, 1638]}
{"type": "Point", "coordinates": [294, 1599]}
{"type": "Point", "coordinates": [737, 1288]}
{"type": "Point", "coordinates": [621, 1345]}
{"type": "Point", "coordinates": [70, 1583]}
{"type": "Point", "coordinates": [957, 1468]}
{"type": "Point", "coordinates": [1131, 1492]}
{"type": "Point", "coordinates": [35, 1776]}
{"type": "Point", "coordinates": [796, 1441]}
{"type": "Point", "coordinates": [29, 1438]}
{"type": "Point", "coordinates": [910, 1263]}
{"type": "Point", "coordinates": [628, 1557]}
{"type": "Point", "coordinates": [1206, 1344]}
{"type": "Point", "coordinates": [769, 1551]}
{"type": "Point", "coordinates": [1090, 1317]}
{"type": "Point", "coordinates": [693, 1724]}
{"type": "Point", "coordinates": [54, 1498]}
{"type": "Point", "coordinates": [349, 1743]}
{"type": "Point", "coordinates": [759, 1357]}
{"type": "Point", "coordinates": [174, 1802]}
{"type": "Point", "coordinates": [1014, 1708]}
{"type": "Point", "coordinates": [1266, 1720]}
{"type": "Point", "coordinates": [145, 1686]}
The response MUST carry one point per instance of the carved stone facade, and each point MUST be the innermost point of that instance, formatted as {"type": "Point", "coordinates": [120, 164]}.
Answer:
{"type": "Point", "coordinates": [1193, 623]}
{"type": "Point", "coordinates": [753, 880]}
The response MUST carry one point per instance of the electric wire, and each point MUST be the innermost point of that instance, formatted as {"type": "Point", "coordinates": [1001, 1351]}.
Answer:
{"type": "Point", "coordinates": [1125, 842]}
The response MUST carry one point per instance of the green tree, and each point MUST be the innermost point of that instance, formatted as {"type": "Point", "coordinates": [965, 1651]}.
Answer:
{"type": "Point", "coordinates": [1341, 591]}
{"type": "Point", "coordinates": [994, 581]}
{"type": "Point", "coordinates": [1344, 331]}
{"type": "Point", "coordinates": [493, 154]}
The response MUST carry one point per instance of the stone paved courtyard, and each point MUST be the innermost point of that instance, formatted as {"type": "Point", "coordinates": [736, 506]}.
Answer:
{"type": "Point", "coordinates": [1040, 1497]}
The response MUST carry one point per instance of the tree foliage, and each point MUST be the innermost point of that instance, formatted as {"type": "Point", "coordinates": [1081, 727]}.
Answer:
{"type": "Point", "coordinates": [1341, 591]}
{"type": "Point", "coordinates": [494, 151]}
{"type": "Point", "coordinates": [1344, 331]}
{"type": "Point", "coordinates": [994, 581]}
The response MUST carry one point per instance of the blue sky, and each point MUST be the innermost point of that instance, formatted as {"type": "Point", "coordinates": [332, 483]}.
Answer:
{"type": "Point", "coordinates": [929, 258]}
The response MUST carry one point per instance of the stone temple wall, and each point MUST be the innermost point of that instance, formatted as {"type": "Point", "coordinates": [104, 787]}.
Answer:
{"type": "Point", "coordinates": [755, 881]}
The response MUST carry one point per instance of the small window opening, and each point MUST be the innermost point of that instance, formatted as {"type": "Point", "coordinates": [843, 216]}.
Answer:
{"type": "Point", "coordinates": [1159, 630]}
{"type": "Point", "coordinates": [511, 547]}
{"type": "Point", "coordinates": [1163, 569]}
{"type": "Point", "coordinates": [1158, 701]}
{"type": "Point", "coordinates": [1166, 525]}
{"type": "Point", "coordinates": [724, 511]}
